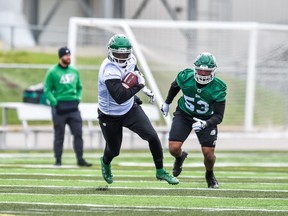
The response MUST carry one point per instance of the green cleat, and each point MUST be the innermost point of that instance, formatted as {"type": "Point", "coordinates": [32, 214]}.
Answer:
{"type": "Point", "coordinates": [162, 174]}
{"type": "Point", "coordinates": [106, 172]}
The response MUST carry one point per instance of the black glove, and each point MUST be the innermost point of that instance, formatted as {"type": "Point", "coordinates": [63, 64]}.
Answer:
{"type": "Point", "coordinates": [137, 100]}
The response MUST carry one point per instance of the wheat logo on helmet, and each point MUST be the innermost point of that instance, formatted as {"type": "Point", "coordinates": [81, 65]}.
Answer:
{"type": "Point", "coordinates": [119, 49]}
{"type": "Point", "coordinates": [205, 68]}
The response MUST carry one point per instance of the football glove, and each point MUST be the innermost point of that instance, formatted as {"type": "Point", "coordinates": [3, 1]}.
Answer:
{"type": "Point", "coordinates": [198, 125]}
{"type": "Point", "coordinates": [137, 100]}
{"type": "Point", "coordinates": [165, 109]}
{"type": "Point", "coordinates": [140, 77]}
{"type": "Point", "coordinates": [150, 94]}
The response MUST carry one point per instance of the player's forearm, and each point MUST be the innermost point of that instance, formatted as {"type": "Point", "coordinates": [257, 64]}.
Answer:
{"type": "Point", "coordinates": [173, 91]}
{"type": "Point", "coordinates": [218, 115]}
{"type": "Point", "coordinates": [119, 93]}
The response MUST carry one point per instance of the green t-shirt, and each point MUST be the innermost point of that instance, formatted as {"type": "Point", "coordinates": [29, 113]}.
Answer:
{"type": "Point", "coordinates": [199, 102]}
{"type": "Point", "coordinates": [62, 84]}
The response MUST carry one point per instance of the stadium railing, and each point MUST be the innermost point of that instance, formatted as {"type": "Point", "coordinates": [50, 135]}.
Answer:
{"type": "Point", "coordinates": [41, 117]}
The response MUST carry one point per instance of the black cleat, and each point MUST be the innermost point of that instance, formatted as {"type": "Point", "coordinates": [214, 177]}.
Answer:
{"type": "Point", "coordinates": [177, 168]}
{"type": "Point", "coordinates": [83, 163]}
{"type": "Point", "coordinates": [57, 162]}
{"type": "Point", "coordinates": [211, 181]}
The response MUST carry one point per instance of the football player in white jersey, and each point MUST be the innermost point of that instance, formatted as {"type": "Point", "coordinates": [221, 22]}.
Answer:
{"type": "Point", "coordinates": [119, 107]}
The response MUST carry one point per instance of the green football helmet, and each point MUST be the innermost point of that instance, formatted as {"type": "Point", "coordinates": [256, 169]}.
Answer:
{"type": "Point", "coordinates": [205, 67]}
{"type": "Point", "coordinates": [119, 49]}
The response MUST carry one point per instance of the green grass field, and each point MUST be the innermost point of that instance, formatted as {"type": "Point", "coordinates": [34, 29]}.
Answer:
{"type": "Point", "coordinates": [251, 183]}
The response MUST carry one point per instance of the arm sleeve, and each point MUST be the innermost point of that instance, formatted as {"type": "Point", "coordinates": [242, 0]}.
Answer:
{"type": "Point", "coordinates": [119, 93]}
{"type": "Point", "coordinates": [217, 117]}
{"type": "Point", "coordinates": [173, 91]}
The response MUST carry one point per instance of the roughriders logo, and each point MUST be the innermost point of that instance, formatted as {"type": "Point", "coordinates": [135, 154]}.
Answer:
{"type": "Point", "coordinates": [67, 78]}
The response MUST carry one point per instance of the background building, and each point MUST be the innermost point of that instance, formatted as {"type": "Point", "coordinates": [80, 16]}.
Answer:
{"type": "Point", "coordinates": [42, 22]}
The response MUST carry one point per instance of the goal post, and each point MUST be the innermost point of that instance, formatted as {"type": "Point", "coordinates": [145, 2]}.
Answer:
{"type": "Point", "coordinates": [249, 54]}
{"type": "Point", "coordinates": [72, 39]}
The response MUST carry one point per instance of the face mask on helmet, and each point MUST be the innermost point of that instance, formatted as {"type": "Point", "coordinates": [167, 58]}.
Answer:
{"type": "Point", "coordinates": [205, 67]}
{"type": "Point", "coordinates": [119, 50]}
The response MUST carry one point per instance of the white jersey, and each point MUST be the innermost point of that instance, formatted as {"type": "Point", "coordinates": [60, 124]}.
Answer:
{"type": "Point", "coordinates": [110, 70]}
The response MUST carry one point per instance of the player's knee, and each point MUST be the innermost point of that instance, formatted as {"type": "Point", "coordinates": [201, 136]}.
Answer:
{"type": "Point", "coordinates": [115, 153]}
{"type": "Point", "coordinates": [210, 156]}
{"type": "Point", "coordinates": [153, 138]}
{"type": "Point", "coordinates": [174, 148]}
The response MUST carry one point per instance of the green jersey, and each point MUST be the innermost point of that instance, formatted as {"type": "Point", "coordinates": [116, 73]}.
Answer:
{"type": "Point", "coordinates": [198, 102]}
{"type": "Point", "coordinates": [62, 84]}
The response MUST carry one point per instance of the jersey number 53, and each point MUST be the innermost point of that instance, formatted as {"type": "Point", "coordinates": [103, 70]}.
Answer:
{"type": "Point", "coordinates": [200, 106]}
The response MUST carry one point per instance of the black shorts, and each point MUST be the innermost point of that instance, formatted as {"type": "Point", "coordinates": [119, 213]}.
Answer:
{"type": "Point", "coordinates": [182, 127]}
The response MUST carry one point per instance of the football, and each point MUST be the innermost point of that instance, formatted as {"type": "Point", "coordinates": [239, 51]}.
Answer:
{"type": "Point", "coordinates": [130, 80]}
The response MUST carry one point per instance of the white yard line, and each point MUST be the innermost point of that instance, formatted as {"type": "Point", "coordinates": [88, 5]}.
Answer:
{"type": "Point", "coordinates": [143, 195]}
{"type": "Point", "coordinates": [144, 188]}
{"type": "Point", "coordinates": [97, 155]}
{"type": "Point", "coordinates": [124, 181]}
{"type": "Point", "coordinates": [133, 208]}
{"type": "Point", "coordinates": [150, 164]}
{"type": "Point", "coordinates": [232, 174]}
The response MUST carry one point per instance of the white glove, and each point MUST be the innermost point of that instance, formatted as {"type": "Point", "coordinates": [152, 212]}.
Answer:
{"type": "Point", "coordinates": [140, 77]}
{"type": "Point", "coordinates": [150, 94]}
{"type": "Point", "coordinates": [165, 109]}
{"type": "Point", "coordinates": [198, 125]}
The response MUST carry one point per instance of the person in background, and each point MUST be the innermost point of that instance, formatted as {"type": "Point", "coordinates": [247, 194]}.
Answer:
{"type": "Point", "coordinates": [63, 89]}
{"type": "Point", "coordinates": [118, 108]}
{"type": "Point", "coordinates": [201, 108]}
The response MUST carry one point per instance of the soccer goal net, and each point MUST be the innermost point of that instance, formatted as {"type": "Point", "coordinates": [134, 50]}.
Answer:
{"type": "Point", "coordinates": [252, 59]}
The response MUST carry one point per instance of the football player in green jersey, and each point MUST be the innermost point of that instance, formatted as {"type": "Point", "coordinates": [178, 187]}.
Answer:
{"type": "Point", "coordinates": [201, 108]}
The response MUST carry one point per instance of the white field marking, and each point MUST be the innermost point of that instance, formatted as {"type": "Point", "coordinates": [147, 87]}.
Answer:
{"type": "Point", "coordinates": [193, 178]}
{"type": "Point", "coordinates": [131, 181]}
{"type": "Point", "coordinates": [219, 164]}
{"type": "Point", "coordinates": [41, 166]}
{"type": "Point", "coordinates": [137, 164]}
{"type": "Point", "coordinates": [49, 174]}
{"type": "Point", "coordinates": [44, 211]}
{"type": "Point", "coordinates": [90, 210]}
{"type": "Point", "coordinates": [220, 173]}
{"type": "Point", "coordinates": [196, 174]}
{"type": "Point", "coordinates": [72, 155]}
{"type": "Point", "coordinates": [46, 155]}
{"type": "Point", "coordinates": [145, 207]}
{"type": "Point", "coordinates": [145, 188]}
{"type": "Point", "coordinates": [240, 155]}
{"type": "Point", "coordinates": [143, 195]}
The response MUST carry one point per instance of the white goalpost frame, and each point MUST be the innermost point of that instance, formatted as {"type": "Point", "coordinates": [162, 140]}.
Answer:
{"type": "Point", "coordinates": [72, 40]}
{"type": "Point", "coordinates": [126, 24]}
